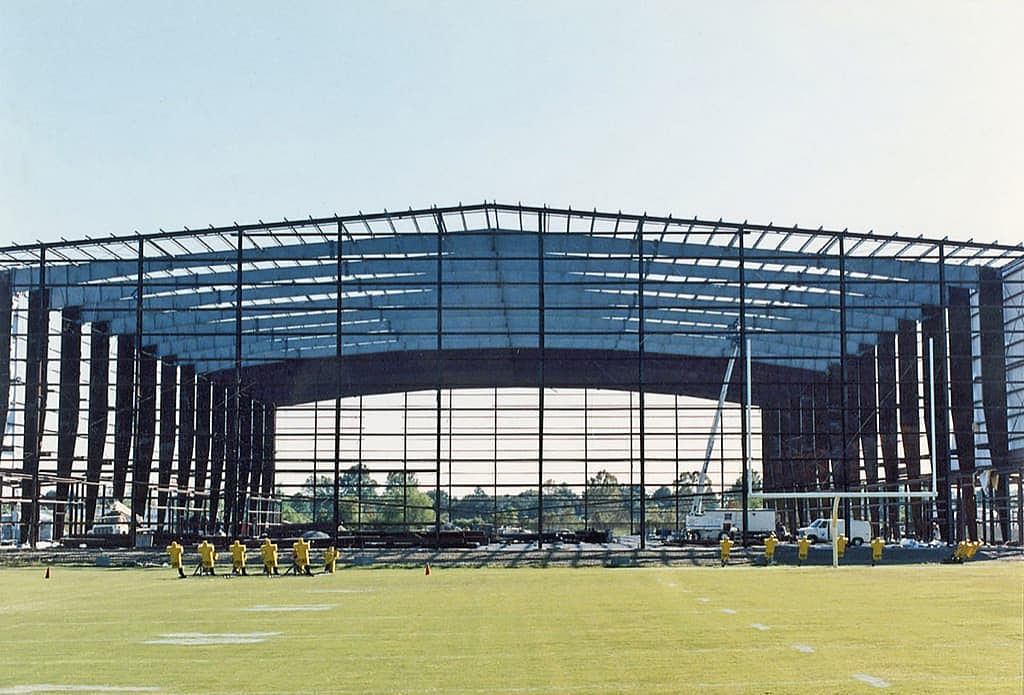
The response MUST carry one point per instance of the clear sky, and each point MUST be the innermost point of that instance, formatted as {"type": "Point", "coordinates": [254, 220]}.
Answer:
{"type": "Point", "coordinates": [899, 117]}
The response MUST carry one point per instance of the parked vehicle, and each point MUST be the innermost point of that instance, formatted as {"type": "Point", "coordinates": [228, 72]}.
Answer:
{"type": "Point", "coordinates": [820, 530]}
{"type": "Point", "coordinates": [715, 524]}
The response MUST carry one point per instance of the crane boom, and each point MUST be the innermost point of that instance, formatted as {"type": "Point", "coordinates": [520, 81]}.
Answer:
{"type": "Point", "coordinates": [701, 486]}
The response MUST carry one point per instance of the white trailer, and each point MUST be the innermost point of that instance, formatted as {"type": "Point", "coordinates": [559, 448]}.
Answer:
{"type": "Point", "coordinates": [715, 524]}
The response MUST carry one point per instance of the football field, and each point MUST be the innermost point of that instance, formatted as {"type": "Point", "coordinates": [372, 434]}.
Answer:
{"type": "Point", "coordinates": [905, 629]}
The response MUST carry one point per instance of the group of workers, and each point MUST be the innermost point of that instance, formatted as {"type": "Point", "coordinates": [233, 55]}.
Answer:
{"type": "Point", "coordinates": [268, 554]}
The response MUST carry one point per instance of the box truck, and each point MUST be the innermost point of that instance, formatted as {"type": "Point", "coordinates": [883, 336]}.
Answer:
{"type": "Point", "coordinates": [820, 530]}
{"type": "Point", "coordinates": [715, 524]}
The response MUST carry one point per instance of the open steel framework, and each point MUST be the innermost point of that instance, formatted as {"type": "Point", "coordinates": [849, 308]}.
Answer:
{"type": "Point", "coordinates": [199, 342]}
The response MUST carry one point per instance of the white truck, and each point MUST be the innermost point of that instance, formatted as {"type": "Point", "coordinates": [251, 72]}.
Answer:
{"type": "Point", "coordinates": [820, 530]}
{"type": "Point", "coordinates": [715, 524]}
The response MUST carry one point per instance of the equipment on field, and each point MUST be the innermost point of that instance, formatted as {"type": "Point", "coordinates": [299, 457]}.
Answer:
{"type": "Point", "coordinates": [237, 558]}
{"type": "Point", "coordinates": [268, 551]}
{"type": "Point", "coordinates": [207, 558]}
{"type": "Point", "coordinates": [876, 551]}
{"type": "Point", "coordinates": [175, 551]}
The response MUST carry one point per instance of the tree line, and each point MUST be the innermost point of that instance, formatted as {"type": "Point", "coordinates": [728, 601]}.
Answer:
{"type": "Point", "coordinates": [605, 503]}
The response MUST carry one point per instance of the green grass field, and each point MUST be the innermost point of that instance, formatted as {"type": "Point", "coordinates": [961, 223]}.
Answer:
{"type": "Point", "coordinates": [918, 629]}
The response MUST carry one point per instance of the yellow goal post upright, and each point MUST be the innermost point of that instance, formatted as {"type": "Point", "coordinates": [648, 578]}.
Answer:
{"type": "Point", "coordinates": [858, 495]}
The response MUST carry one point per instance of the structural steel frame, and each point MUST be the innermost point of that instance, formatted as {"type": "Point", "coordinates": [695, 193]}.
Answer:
{"type": "Point", "coordinates": [248, 322]}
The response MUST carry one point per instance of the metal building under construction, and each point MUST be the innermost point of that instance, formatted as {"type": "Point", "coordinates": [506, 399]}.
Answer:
{"type": "Point", "coordinates": [499, 365]}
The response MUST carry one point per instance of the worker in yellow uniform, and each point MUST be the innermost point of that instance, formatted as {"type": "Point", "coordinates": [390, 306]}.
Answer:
{"type": "Point", "coordinates": [840, 546]}
{"type": "Point", "coordinates": [207, 557]}
{"type": "Point", "coordinates": [802, 547]}
{"type": "Point", "coordinates": [238, 558]}
{"type": "Point", "coordinates": [176, 551]}
{"type": "Point", "coordinates": [268, 551]}
{"type": "Point", "coordinates": [769, 548]}
{"type": "Point", "coordinates": [876, 550]}
{"type": "Point", "coordinates": [300, 557]}
{"type": "Point", "coordinates": [972, 549]}
{"type": "Point", "coordinates": [330, 557]}
{"type": "Point", "coordinates": [726, 545]}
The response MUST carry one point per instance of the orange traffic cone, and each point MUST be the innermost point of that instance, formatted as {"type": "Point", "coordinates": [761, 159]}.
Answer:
{"type": "Point", "coordinates": [47, 575]}
{"type": "Point", "coordinates": [428, 569]}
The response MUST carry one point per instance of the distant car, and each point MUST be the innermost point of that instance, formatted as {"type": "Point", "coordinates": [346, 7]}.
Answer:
{"type": "Point", "coordinates": [314, 535]}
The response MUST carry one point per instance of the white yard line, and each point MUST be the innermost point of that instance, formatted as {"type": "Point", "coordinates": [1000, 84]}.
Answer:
{"type": "Point", "coordinates": [198, 639]}
{"type": "Point", "coordinates": [803, 648]}
{"type": "Point", "coordinates": [287, 609]}
{"type": "Point", "coordinates": [730, 611]}
{"type": "Point", "coordinates": [53, 688]}
{"type": "Point", "coordinates": [871, 680]}
{"type": "Point", "coordinates": [759, 626]}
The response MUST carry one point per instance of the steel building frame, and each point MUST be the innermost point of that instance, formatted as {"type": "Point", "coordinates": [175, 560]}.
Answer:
{"type": "Point", "coordinates": [249, 321]}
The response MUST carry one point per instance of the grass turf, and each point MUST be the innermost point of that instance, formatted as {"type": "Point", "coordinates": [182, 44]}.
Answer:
{"type": "Point", "coordinates": [921, 629]}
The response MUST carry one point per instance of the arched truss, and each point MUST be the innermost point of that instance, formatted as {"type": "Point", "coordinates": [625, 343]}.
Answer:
{"type": "Point", "coordinates": [492, 294]}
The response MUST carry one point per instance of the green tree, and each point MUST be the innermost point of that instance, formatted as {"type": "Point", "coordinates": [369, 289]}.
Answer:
{"type": "Point", "coordinates": [733, 497]}
{"type": "Point", "coordinates": [403, 501]}
{"type": "Point", "coordinates": [562, 507]}
{"type": "Point", "coordinates": [607, 502]}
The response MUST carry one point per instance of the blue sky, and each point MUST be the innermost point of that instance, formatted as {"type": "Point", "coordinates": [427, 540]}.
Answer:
{"type": "Point", "coordinates": [898, 117]}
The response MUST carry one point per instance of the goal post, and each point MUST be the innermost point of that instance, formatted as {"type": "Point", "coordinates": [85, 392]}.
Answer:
{"type": "Point", "coordinates": [838, 495]}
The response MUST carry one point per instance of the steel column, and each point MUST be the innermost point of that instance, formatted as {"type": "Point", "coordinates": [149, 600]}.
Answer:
{"type": "Point", "coordinates": [165, 457]}
{"type": "Point", "coordinates": [910, 419]}
{"type": "Point", "coordinates": [268, 450]}
{"type": "Point", "coordinates": [338, 324]}
{"type": "Point", "coordinates": [6, 302]}
{"type": "Point", "coordinates": [439, 337]}
{"type": "Point", "coordinates": [203, 434]}
{"type": "Point", "coordinates": [145, 432]}
{"type": "Point", "coordinates": [124, 412]}
{"type": "Point", "coordinates": [254, 508]}
{"type": "Point", "coordinates": [541, 224]}
{"type": "Point", "coordinates": [99, 400]}
{"type": "Point", "coordinates": [933, 332]}
{"type": "Point", "coordinates": [867, 426]}
{"type": "Point", "coordinates": [231, 461]}
{"type": "Point", "coordinates": [847, 399]}
{"type": "Point", "coordinates": [186, 439]}
{"type": "Point", "coordinates": [218, 448]}
{"type": "Point", "coordinates": [887, 427]}
{"type": "Point", "coordinates": [35, 404]}
{"type": "Point", "coordinates": [641, 271]}
{"type": "Point", "coordinates": [233, 444]}
{"type": "Point", "coordinates": [67, 416]}
{"type": "Point", "coordinates": [744, 349]}
{"type": "Point", "coordinates": [994, 387]}
{"type": "Point", "coordinates": [140, 266]}
{"type": "Point", "coordinates": [245, 408]}
{"type": "Point", "coordinates": [961, 394]}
